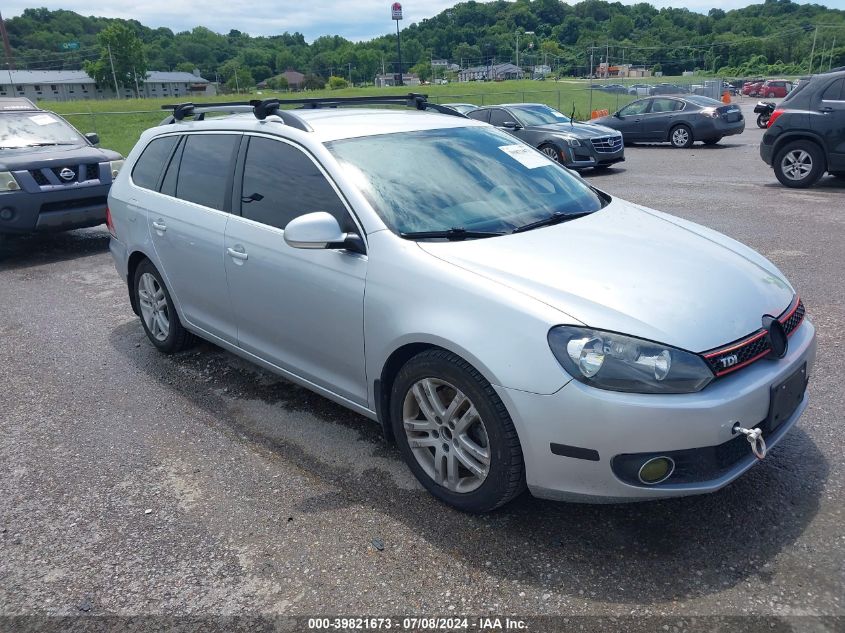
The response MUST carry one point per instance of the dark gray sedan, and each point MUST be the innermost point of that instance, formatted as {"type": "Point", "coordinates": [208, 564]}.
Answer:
{"type": "Point", "coordinates": [576, 145]}
{"type": "Point", "coordinates": [679, 120]}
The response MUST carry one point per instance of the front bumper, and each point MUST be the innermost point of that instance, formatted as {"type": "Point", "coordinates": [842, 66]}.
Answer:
{"type": "Point", "coordinates": [61, 209]}
{"type": "Point", "coordinates": [586, 156]}
{"type": "Point", "coordinates": [612, 423]}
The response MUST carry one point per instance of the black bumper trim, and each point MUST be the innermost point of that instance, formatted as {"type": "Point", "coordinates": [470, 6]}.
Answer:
{"type": "Point", "coordinates": [577, 452]}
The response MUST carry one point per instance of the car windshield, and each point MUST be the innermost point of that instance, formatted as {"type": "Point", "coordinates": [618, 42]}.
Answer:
{"type": "Point", "coordinates": [705, 102]}
{"type": "Point", "coordinates": [31, 129]}
{"type": "Point", "coordinates": [474, 178]}
{"type": "Point", "coordinates": [539, 115]}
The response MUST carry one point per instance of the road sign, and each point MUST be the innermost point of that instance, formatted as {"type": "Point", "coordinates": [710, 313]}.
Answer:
{"type": "Point", "coordinates": [396, 11]}
{"type": "Point", "coordinates": [69, 46]}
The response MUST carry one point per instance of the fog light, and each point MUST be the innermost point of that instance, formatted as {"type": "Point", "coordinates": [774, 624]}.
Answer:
{"type": "Point", "coordinates": [6, 214]}
{"type": "Point", "coordinates": [656, 469]}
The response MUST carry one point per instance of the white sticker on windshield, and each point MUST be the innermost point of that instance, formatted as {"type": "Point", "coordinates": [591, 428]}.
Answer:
{"type": "Point", "coordinates": [527, 156]}
{"type": "Point", "coordinates": [42, 119]}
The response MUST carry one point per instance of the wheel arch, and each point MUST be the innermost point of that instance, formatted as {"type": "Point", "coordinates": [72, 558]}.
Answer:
{"type": "Point", "coordinates": [798, 135]}
{"type": "Point", "coordinates": [133, 262]}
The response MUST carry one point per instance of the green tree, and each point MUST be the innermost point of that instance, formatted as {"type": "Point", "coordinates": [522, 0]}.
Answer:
{"type": "Point", "coordinates": [335, 83]}
{"type": "Point", "coordinates": [422, 70]}
{"type": "Point", "coordinates": [121, 50]}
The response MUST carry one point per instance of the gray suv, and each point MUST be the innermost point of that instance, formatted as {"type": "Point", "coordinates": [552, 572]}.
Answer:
{"type": "Point", "coordinates": [52, 178]}
{"type": "Point", "coordinates": [507, 324]}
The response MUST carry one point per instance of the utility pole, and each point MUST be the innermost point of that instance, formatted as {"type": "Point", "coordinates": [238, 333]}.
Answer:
{"type": "Point", "coordinates": [607, 62]}
{"type": "Point", "coordinates": [113, 74]}
{"type": "Point", "coordinates": [350, 73]}
{"type": "Point", "coordinates": [813, 49]}
{"type": "Point", "coordinates": [137, 89]}
{"type": "Point", "coordinates": [830, 61]}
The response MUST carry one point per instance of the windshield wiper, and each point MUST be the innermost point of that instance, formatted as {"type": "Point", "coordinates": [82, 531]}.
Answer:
{"type": "Point", "coordinates": [554, 218]}
{"type": "Point", "coordinates": [44, 144]}
{"type": "Point", "coordinates": [453, 234]}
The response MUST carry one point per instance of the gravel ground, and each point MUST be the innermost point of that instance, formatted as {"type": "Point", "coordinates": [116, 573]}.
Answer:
{"type": "Point", "coordinates": [134, 483]}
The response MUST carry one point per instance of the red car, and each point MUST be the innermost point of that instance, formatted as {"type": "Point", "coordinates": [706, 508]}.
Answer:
{"type": "Point", "coordinates": [774, 88]}
{"type": "Point", "coordinates": [750, 88]}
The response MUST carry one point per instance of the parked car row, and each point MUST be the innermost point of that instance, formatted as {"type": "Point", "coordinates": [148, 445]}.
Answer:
{"type": "Point", "coordinates": [769, 88]}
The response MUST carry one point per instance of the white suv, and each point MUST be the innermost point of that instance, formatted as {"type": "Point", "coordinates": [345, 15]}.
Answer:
{"type": "Point", "coordinates": [506, 323]}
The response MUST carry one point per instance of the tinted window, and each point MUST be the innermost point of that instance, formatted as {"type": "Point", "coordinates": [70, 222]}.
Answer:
{"type": "Point", "coordinates": [281, 183]}
{"type": "Point", "coordinates": [148, 168]}
{"type": "Point", "coordinates": [205, 169]}
{"type": "Point", "coordinates": [498, 117]}
{"type": "Point", "coordinates": [835, 91]}
{"type": "Point", "coordinates": [479, 115]}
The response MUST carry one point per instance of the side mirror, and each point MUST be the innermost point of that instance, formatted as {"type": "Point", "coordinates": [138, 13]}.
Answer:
{"type": "Point", "coordinates": [93, 138]}
{"type": "Point", "coordinates": [320, 230]}
{"type": "Point", "coordinates": [617, 115]}
{"type": "Point", "coordinates": [511, 125]}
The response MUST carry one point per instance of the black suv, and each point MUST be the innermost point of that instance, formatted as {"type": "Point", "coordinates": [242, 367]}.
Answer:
{"type": "Point", "coordinates": [806, 133]}
{"type": "Point", "coordinates": [52, 178]}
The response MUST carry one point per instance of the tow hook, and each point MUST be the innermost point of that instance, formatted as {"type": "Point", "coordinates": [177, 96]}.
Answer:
{"type": "Point", "coordinates": [754, 437]}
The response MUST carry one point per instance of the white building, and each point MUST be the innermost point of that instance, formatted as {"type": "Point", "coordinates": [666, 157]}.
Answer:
{"type": "Point", "coordinates": [495, 72]}
{"type": "Point", "coordinates": [68, 85]}
{"type": "Point", "coordinates": [388, 81]}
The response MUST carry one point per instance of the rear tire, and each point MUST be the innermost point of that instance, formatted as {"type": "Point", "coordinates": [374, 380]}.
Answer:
{"type": "Point", "coordinates": [762, 121]}
{"type": "Point", "coordinates": [680, 136]}
{"type": "Point", "coordinates": [799, 164]}
{"type": "Point", "coordinates": [158, 315]}
{"type": "Point", "coordinates": [455, 434]}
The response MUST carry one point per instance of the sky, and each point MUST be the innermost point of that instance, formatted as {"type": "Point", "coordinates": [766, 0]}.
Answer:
{"type": "Point", "coordinates": [353, 19]}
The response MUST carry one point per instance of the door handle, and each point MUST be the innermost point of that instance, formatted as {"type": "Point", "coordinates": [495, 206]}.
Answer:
{"type": "Point", "coordinates": [159, 225]}
{"type": "Point", "coordinates": [242, 255]}
{"type": "Point", "coordinates": [826, 109]}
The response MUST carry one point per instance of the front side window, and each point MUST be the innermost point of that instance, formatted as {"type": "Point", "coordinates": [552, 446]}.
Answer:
{"type": "Point", "coordinates": [205, 168]}
{"type": "Point", "coordinates": [480, 115]}
{"type": "Point", "coordinates": [35, 129]}
{"type": "Point", "coordinates": [475, 178]}
{"type": "Point", "coordinates": [281, 183]}
{"type": "Point", "coordinates": [148, 168]}
{"type": "Point", "coordinates": [635, 108]}
{"type": "Point", "coordinates": [498, 117]}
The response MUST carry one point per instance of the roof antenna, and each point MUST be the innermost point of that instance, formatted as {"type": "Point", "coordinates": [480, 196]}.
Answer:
{"type": "Point", "coordinates": [572, 116]}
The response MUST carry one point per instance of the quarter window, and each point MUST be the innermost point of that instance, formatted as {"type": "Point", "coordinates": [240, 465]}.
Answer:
{"type": "Point", "coordinates": [835, 91]}
{"type": "Point", "coordinates": [205, 169]}
{"type": "Point", "coordinates": [281, 183]}
{"type": "Point", "coordinates": [148, 168]}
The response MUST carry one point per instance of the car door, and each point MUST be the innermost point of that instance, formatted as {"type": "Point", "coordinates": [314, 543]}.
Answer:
{"type": "Point", "coordinates": [662, 115]}
{"type": "Point", "coordinates": [299, 309]}
{"type": "Point", "coordinates": [630, 120]}
{"type": "Point", "coordinates": [500, 116]}
{"type": "Point", "coordinates": [187, 227]}
{"type": "Point", "coordinates": [831, 124]}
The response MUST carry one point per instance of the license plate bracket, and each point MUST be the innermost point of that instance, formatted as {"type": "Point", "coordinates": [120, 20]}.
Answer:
{"type": "Point", "coordinates": [785, 398]}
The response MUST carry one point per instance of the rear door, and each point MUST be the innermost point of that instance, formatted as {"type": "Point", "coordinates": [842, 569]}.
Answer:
{"type": "Point", "coordinates": [299, 309]}
{"type": "Point", "coordinates": [187, 227]}
{"type": "Point", "coordinates": [830, 123]}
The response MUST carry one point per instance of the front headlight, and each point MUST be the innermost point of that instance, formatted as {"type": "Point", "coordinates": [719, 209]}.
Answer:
{"type": "Point", "coordinates": [623, 363]}
{"type": "Point", "coordinates": [8, 182]}
{"type": "Point", "coordinates": [573, 142]}
{"type": "Point", "coordinates": [114, 167]}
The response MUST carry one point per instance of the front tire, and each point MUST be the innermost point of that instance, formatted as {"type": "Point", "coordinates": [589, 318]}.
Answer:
{"type": "Point", "coordinates": [455, 434]}
{"type": "Point", "coordinates": [158, 315]}
{"type": "Point", "coordinates": [799, 164]}
{"type": "Point", "coordinates": [680, 136]}
{"type": "Point", "coordinates": [552, 152]}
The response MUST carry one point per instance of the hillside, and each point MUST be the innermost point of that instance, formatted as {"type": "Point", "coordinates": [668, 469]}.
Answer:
{"type": "Point", "coordinates": [777, 32]}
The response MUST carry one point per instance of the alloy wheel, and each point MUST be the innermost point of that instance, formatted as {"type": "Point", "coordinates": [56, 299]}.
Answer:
{"type": "Point", "coordinates": [153, 304]}
{"type": "Point", "coordinates": [680, 137]}
{"type": "Point", "coordinates": [796, 164]}
{"type": "Point", "coordinates": [551, 152]}
{"type": "Point", "coordinates": [446, 435]}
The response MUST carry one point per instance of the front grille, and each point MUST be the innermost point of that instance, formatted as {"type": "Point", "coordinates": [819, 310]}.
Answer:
{"type": "Point", "coordinates": [58, 170]}
{"type": "Point", "coordinates": [51, 176]}
{"type": "Point", "coordinates": [92, 171]}
{"type": "Point", "coordinates": [607, 144]}
{"type": "Point", "coordinates": [733, 356]}
{"type": "Point", "coordinates": [40, 178]}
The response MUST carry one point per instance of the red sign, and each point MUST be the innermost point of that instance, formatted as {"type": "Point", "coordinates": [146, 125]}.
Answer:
{"type": "Point", "coordinates": [396, 11]}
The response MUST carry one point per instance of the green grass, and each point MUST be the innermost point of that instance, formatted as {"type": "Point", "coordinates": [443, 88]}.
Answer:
{"type": "Point", "coordinates": [119, 122]}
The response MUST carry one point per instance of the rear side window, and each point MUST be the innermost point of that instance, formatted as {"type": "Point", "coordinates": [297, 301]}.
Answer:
{"type": "Point", "coordinates": [281, 183]}
{"type": "Point", "coordinates": [835, 91]}
{"type": "Point", "coordinates": [149, 166]}
{"type": "Point", "coordinates": [206, 168]}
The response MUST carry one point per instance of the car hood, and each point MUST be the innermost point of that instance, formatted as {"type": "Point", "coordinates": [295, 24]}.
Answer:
{"type": "Point", "coordinates": [636, 271]}
{"type": "Point", "coordinates": [53, 155]}
{"type": "Point", "coordinates": [605, 122]}
{"type": "Point", "coordinates": [578, 130]}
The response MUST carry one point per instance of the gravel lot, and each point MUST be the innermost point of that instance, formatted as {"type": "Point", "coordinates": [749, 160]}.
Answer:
{"type": "Point", "coordinates": [134, 483]}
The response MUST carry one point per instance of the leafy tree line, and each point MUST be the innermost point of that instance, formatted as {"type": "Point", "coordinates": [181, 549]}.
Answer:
{"type": "Point", "coordinates": [777, 34]}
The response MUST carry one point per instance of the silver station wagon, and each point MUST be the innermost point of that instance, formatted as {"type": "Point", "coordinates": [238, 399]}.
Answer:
{"type": "Point", "coordinates": [507, 324]}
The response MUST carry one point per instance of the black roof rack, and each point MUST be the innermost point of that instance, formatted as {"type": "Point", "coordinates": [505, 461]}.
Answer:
{"type": "Point", "coordinates": [262, 108]}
